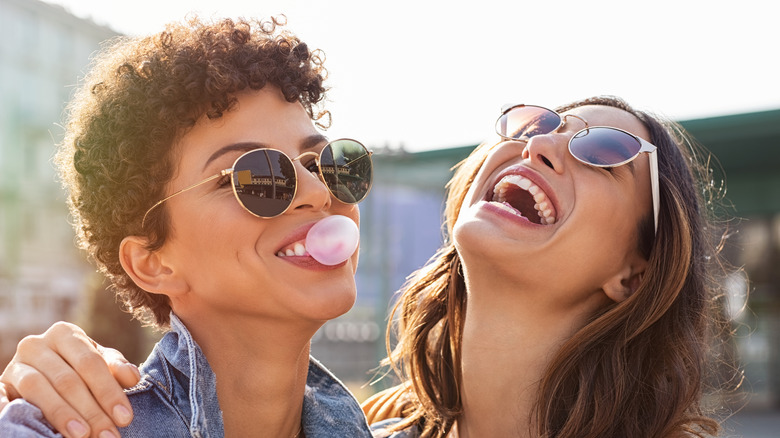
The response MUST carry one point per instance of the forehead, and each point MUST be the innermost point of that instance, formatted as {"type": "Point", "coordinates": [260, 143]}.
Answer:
{"type": "Point", "coordinates": [261, 117]}
{"type": "Point", "coordinates": [601, 115]}
{"type": "Point", "coordinates": [259, 113]}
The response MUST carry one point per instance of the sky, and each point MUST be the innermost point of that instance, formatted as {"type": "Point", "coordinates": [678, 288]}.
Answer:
{"type": "Point", "coordinates": [434, 74]}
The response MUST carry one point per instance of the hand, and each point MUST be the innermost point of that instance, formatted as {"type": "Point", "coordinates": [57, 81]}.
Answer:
{"type": "Point", "coordinates": [73, 380]}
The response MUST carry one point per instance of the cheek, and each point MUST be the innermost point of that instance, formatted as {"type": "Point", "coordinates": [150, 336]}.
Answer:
{"type": "Point", "coordinates": [354, 214]}
{"type": "Point", "coordinates": [585, 267]}
{"type": "Point", "coordinates": [608, 221]}
{"type": "Point", "coordinates": [611, 238]}
{"type": "Point", "coordinates": [216, 225]}
{"type": "Point", "coordinates": [472, 197]}
{"type": "Point", "coordinates": [203, 237]}
{"type": "Point", "coordinates": [609, 201]}
{"type": "Point", "coordinates": [611, 226]}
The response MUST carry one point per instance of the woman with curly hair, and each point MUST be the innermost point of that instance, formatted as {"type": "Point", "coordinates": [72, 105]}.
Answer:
{"type": "Point", "coordinates": [575, 294]}
{"type": "Point", "coordinates": [195, 173]}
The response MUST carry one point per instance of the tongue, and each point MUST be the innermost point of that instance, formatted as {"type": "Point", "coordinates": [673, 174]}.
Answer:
{"type": "Point", "coordinates": [333, 240]}
{"type": "Point", "coordinates": [523, 202]}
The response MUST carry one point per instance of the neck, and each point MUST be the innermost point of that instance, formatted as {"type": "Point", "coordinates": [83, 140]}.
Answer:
{"type": "Point", "coordinates": [261, 368]}
{"type": "Point", "coordinates": [510, 335]}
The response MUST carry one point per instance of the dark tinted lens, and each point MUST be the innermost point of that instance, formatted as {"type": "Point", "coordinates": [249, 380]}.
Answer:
{"type": "Point", "coordinates": [347, 170]}
{"type": "Point", "coordinates": [264, 181]}
{"type": "Point", "coordinates": [527, 121]}
{"type": "Point", "coordinates": [602, 146]}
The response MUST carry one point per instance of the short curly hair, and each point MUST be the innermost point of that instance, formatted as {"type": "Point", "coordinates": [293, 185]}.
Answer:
{"type": "Point", "coordinates": [139, 97]}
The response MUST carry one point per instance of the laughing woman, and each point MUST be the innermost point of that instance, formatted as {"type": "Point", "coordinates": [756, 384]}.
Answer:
{"type": "Point", "coordinates": [574, 297]}
{"type": "Point", "coordinates": [195, 173]}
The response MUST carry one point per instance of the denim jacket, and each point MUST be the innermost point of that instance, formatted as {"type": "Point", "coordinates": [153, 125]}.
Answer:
{"type": "Point", "coordinates": [177, 397]}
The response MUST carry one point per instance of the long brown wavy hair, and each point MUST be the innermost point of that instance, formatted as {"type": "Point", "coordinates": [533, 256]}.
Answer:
{"type": "Point", "coordinates": [636, 369]}
{"type": "Point", "coordinates": [139, 96]}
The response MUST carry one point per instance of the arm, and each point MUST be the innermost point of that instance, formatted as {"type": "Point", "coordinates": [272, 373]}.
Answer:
{"type": "Point", "coordinates": [73, 380]}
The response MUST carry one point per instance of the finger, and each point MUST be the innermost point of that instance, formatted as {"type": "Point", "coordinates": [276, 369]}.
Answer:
{"type": "Point", "coordinates": [83, 355]}
{"type": "Point", "coordinates": [4, 400]}
{"type": "Point", "coordinates": [125, 373]}
{"type": "Point", "coordinates": [40, 353]}
{"type": "Point", "coordinates": [39, 391]}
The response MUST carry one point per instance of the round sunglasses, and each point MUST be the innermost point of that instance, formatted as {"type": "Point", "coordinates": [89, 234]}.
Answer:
{"type": "Point", "coordinates": [265, 181]}
{"type": "Point", "coordinates": [599, 146]}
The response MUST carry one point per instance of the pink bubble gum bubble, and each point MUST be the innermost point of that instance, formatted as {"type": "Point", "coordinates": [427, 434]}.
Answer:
{"type": "Point", "coordinates": [333, 240]}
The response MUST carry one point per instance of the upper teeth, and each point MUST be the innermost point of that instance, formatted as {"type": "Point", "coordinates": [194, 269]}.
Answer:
{"type": "Point", "coordinates": [542, 205]}
{"type": "Point", "coordinates": [296, 250]}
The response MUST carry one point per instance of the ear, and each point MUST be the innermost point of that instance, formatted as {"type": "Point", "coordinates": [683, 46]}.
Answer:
{"type": "Point", "coordinates": [625, 282]}
{"type": "Point", "coordinates": [148, 268]}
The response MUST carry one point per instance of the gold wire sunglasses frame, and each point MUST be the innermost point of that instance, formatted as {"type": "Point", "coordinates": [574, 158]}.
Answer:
{"type": "Point", "coordinates": [366, 176]}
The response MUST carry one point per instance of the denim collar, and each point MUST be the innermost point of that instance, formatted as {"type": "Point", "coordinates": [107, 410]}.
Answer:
{"type": "Point", "coordinates": [329, 409]}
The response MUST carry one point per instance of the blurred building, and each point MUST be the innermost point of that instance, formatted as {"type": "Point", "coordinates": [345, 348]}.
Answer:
{"type": "Point", "coordinates": [43, 50]}
{"type": "Point", "coordinates": [747, 147]}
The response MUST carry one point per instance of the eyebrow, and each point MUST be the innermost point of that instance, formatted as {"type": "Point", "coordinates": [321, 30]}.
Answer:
{"type": "Point", "coordinates": [309, 142]}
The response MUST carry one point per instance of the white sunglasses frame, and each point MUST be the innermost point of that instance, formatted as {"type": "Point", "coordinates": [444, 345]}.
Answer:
{"type": "Point", "coordinates": [645, 147]}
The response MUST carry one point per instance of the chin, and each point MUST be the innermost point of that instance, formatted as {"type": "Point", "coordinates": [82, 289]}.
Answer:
{"type": "Point", "coordinates": [485, 248]}
{"type": "Point", "coordinates": [328, 306]}
{"type": "Point", "coordinates": [474, 237]}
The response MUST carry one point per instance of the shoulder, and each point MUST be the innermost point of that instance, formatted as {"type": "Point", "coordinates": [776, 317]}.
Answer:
{"type": "Point", "coordinates": [156, 385]}
{"type": "Point", "coordinates": [22, 419]}
{"type": "Point", "coordinates": [155, 405]}
{"type": "Point", "coordinates": [390, 403]}
{"type": "Point", "coordinates": [162, 398]}
{"type": "Point", "coordinates": [329, 409]}
{"type": "Point", "coordinates": [149, 395]}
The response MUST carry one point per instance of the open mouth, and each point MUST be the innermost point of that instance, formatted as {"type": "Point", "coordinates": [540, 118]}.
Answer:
{"type": "Point", "coordinates": [525, 197]}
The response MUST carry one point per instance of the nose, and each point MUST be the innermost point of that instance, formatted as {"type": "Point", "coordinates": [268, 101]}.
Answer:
{"type": "Point", "coordinates": [312, 194]}
{"type": "Point", "coordinates": [549, 150]}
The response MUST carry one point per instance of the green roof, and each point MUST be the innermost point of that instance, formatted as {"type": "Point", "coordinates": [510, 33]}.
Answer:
{"type": "Point", "coordinates": [746, 146]}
